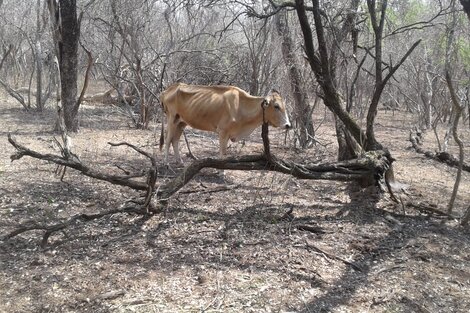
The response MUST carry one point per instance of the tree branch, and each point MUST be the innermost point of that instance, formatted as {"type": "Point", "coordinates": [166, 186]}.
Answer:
{"type": "Point", "coordinates": [74, 163]}
{"type": "Point", "coordinates": [393, 69]}
{"type": "Point", "coordinates": [87, 76]}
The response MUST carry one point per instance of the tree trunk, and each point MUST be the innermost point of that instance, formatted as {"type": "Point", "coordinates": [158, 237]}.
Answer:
{"type": "Point", "coordinates": [69, 62]}
{"type": "Point", "coordinates": [303, 111]}
{"type": "Point", "coordinates": [455, 104]}
{"type": "Point", "coordinates": [66, 33]}
{"type": "Point", "coordinates": [144, 106]}
{"type": "Point", "coordinates": [458, 113]}
{"type": "Point", "coordinates": [377, 25]}
{"type": "Point", "coordinates": [38, 52]}
{"type": "Point", "coordinates": [466, 7]}
{"type": "Point", "coordinates": [347, 149]}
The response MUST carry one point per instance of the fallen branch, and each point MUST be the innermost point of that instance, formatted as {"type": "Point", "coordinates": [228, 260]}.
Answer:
{"type": "Point", "coordinates": [360, 170]}
{"type": "Point", "coordinates": [426, 208]}
{"type": "Point", "coordinates": [443, 157]}
{"type": "Point", "coordinates": [333, 257]}
{"type": "Point", "coordinates": [52, 228]}
{"type": "Point", "coordinates": [369, 169]}
{"type": "Point", "coordinates": [311, 228]}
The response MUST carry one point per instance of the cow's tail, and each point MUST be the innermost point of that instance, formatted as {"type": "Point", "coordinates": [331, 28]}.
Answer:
{"type": "Point", "coordinates": [162, 135]}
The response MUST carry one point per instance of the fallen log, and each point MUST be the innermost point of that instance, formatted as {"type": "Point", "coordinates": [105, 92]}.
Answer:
{"type": "Point", "coordinates": [367, 170]}
{"type": "Point", "coordinates": [416, 140]}
{"type": "Point", "coordinates": [49, 229]}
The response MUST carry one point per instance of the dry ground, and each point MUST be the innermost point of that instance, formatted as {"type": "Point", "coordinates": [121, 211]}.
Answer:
{"type": "Point", "coordinates": [221, 247]}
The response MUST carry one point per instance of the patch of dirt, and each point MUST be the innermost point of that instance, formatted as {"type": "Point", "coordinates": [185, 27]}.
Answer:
{"type": "Point", "coordinates": [227, 246]}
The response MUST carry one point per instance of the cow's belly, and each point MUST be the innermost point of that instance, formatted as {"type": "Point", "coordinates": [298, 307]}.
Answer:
{"type": "Point", "coordinates": [241, 132]}
{"type": "Point", "coordinates": [202, 126]}
{"type": "Point", "coordinates": [207, 122]}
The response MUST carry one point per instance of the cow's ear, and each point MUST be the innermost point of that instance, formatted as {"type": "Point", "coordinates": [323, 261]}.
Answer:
{"type": "Point", "coordinates": [265, 103]}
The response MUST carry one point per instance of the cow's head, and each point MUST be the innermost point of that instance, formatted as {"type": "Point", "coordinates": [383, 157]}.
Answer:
{"type": "Point", "coordinates": [275, 112]}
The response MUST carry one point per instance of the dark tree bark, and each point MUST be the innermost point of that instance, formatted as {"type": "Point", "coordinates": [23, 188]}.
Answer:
{"type": "Point", "coordinates": [466, 7]}
{"type": "Point", "coordinates": [303, 111]}
{"type": "Point", "coordinates": [66, 31]}
{"type": "Point", "coordinates": [38, 52]}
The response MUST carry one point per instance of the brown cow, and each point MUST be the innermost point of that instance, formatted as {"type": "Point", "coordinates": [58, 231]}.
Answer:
{"type": "Point", "coordinates": [228, 111]}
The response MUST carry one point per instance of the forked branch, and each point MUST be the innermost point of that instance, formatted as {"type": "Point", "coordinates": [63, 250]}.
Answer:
{"type": "Point", "coordinates": [76, 164]}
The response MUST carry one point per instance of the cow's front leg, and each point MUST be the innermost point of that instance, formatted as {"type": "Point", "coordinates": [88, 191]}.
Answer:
{"type": "Point", "coordinates": [223, 142]}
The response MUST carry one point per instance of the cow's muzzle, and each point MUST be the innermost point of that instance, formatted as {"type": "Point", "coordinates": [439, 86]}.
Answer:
{"type": "Point", "coordinates": [287, 126]}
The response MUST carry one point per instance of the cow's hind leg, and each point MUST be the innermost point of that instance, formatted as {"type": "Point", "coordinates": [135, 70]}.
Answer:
{"type": "Point", "coordinates": [170, 135]}
{"type": "Point", "coordinates": [223, 142]}
{"type": "Point", "coordinates": [178, 131]}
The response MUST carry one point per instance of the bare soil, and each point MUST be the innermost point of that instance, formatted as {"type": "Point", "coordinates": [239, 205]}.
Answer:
{"type": "Point", "coordinates": [225, 244]}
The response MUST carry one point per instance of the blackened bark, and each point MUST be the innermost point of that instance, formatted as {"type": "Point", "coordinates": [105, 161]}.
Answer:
{"type": "Point", "coordinates": [66, 33]}
{"type": "Point", "coordinates": [68, 62]}
{"type": "Point", "coordinates": [38, 52]}
{"type": "Point", "coordinates": [466, 7]}
{"type": "Point", "coordinates": [346, 144]}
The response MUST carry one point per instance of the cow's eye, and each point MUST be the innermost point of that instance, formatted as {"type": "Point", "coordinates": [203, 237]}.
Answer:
{"type": "Point", "coordinates": [277, 107]}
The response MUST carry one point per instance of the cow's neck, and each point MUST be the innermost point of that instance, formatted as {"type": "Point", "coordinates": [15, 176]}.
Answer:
{"type": "Point", "coordinates": [253, 110]}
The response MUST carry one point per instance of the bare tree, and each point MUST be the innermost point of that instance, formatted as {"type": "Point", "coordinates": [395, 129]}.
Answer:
{"type": "Point", "coordinates": [466, 7]}
{"type": "Point", "coordinates": [455, 103]}
{"type": "Point", "coordinates": [38, 55]}
{"type": "Point", "coordinates": [303, 111]}
{"type": "Point", "coordinates": [378, 23]}
{"type": "Point", "coordinates": [319, 62]}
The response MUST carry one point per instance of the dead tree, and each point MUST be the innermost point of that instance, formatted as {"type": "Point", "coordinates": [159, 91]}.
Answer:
{"type": "Point", "coordinates": [455, 104]}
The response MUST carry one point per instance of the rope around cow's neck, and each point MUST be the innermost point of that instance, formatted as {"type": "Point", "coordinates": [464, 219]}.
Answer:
{"type": "Point", "coordinates": [263, 108]}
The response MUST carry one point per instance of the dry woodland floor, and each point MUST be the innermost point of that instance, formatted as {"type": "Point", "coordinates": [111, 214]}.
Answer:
{"type": "Point", "coordinates": [227, 246]}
